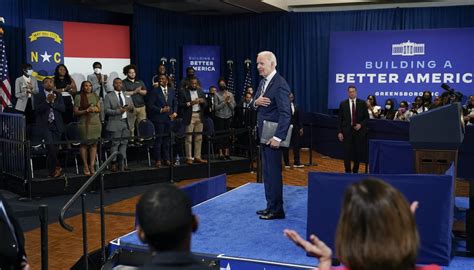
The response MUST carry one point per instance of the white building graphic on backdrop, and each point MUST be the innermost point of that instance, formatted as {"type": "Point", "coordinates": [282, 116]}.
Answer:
{"type": "Point", "coordinates": [408, 49]}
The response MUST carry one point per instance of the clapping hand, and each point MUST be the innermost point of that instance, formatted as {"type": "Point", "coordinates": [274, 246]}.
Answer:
{"type": "Point", "coordinates": [315, 248]}
{"type": "Point", "coordinates": [51, 97]}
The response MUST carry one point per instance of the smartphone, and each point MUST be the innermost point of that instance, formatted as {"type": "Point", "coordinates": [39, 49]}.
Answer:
{"type": "Point", "coordinates": [125, 106]}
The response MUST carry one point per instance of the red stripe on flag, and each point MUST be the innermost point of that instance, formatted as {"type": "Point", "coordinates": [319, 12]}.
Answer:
{"type": "Point", "coordinates": [4, 104]}
{"type": "Point", "coordinates": [96, 40]}
{"type": "Point", "coordinates": [7, 90]}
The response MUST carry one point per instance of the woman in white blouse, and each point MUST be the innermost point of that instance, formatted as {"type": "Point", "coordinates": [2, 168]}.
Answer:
{"type": "Point", "coordinates": [373, 108]}
{"type": "Point", "coordinates": [403, 113]}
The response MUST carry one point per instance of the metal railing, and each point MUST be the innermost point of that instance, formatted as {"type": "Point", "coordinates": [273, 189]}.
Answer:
{"type": "Point", "coordinates": [82, 193]}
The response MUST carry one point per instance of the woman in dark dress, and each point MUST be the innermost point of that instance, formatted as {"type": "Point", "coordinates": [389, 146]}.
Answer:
{"type": "Point", "coordinates": [66, 87]}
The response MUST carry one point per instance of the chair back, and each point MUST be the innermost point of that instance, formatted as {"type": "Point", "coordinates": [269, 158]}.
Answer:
{"type": "Point", "coordinates": [72, 133]}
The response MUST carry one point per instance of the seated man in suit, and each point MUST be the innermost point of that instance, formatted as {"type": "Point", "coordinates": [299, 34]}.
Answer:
{"type": "Point", "coordinates": [166, 224]}
{"type": "Point", "coordinates": [192, 103]}
{"type": "Point", "coordinates": [353, 118]}
{"type": "Point", "coordinates": [161, 110]}
{"type": "Point", "coordinates": [12, 245]}
{"type": "Point", "coordinates": [49, 108]}
{"type": "Point", "coordinates": [118, 108]}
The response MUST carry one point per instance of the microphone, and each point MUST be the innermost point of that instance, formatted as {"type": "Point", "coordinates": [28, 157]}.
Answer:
{"type": "Point", "coordinates": [446, 87]}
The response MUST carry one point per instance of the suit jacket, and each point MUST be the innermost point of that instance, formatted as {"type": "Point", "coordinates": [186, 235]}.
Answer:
{"type": "Point", "coordinates": [362, 116]}
{"type": "Point", "coordinates": [279, 109]}
{"type": "Point", "coordinates": [156, 101]}
{"type": "Point", "coordinates": [9, 254]}
{"type": "Point", "coordinates": [296, 118]}
{"type": "Point", "coordinates": [21, 95]}
{"type": "Point", "coordinates": [96, 85]}
{"type": "Point", "coordinates": [111, 108]}
{"type": "Point", "coordinates": [185, 111]}
{"type": "Point", "coordinates": [42, 108]}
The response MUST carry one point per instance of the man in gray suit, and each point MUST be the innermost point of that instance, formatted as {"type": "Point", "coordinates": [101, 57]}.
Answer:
{"type": "Point", "coordinates": [118, 108]}
{"type": "Point", "coordinates": [99, 85]}
{"type": "Point", "coordinates": [26, 87]}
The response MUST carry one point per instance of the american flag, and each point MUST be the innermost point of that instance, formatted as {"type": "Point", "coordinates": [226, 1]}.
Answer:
{"type": "Point", "coordinates": [230, 80]}
{"type": "Point", "coordinates": [5, 87]}
{"type": "Point", "coordinates": [173, 74]}
{"type": "Point", "coordinates": [248, 75]}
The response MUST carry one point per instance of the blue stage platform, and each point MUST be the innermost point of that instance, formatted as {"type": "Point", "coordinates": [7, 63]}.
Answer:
{"type": "Point", "coordinates": [231, 231]}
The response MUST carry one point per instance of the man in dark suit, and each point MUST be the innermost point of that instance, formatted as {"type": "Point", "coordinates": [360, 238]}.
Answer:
{"type": "Point", "coordinates": [295, 136]}
{"type": "Point", "coordinates": [353, 117]}
{"type": "Point", "coordinates": [12, 245]}
{"type": "Point", "coordinates": [166, 223]}
{"type": "Point", "coordinates": [49, 107]}
{"type": "Point", "coordinates": [192, 103]}
{"type": "Point", "coordinates": [161, 110]}
{"type": "Point", "coordinates": [272, 104]}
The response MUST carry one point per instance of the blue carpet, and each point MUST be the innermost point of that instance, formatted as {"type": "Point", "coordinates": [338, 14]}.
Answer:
{"type": "Point", "coordinates": [229, 226]}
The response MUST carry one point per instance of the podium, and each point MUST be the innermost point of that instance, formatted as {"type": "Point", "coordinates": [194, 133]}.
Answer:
{"type": "Point", "coordinates": [435, 136]}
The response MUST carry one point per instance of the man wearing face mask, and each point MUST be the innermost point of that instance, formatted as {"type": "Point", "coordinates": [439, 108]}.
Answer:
{"type": "Point", "coordinates": [99, 82]}
{"type": "Point", "coordinates": [190, 74]}
{"type": "Point", "coordinates": [224, 111]}
{"type": "Point", "coordinates": [211, 101]}
{"type": "Point", "coordinates": [49, 107]}
{"type": "Point", "coordinates": [26, 86]}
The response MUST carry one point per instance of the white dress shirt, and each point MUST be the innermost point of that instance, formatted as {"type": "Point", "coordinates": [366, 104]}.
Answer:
{"type": "Point", "coordinates": [194, 96]}
{"type": "Point", "coordinates": [124, 114]}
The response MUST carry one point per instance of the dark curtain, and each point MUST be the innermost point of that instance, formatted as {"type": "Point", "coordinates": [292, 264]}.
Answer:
{"type": "Point", "coordinates": [299, 40]}
{"type": "Point", "coordinates": [16, 11]}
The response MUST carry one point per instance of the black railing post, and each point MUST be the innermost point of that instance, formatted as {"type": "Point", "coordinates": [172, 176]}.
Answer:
{"type": "Point", "coordinates": [84, 232]}
{"type": "Point", "coordinates": [259, 164]}
{"type": "Point", "coordinates": [310, 163]}
{"type": "Point", "coordinates": [43, 217]}
{"type": "Point", "coordinates": [250, 154]}
{"type": "Point", "coordinates": [208, 156]}
{"type": "Point", "coordinates": [29, 170]}
{"type": "Point", "coordinates": [102, 219]}
{"type": "Point", "coordinates": [172, 145]}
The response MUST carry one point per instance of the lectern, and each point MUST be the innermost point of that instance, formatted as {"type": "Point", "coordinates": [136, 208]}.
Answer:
{"type": "Point", "coordinates": [435, 136]}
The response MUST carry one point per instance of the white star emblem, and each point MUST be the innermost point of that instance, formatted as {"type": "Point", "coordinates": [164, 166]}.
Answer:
{"type": "Point", "coordinates": [46, 57]}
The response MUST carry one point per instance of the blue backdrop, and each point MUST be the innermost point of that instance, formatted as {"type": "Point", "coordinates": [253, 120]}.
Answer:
{"type": "Point", "coordinates": [299, 40]}
{"type": "Point", "coordinates": [400, 65]}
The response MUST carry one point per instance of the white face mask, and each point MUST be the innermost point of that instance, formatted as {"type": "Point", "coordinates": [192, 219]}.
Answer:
{"type": "Point", "coordinates": [97, 70]}
{"type": "Point", "coordinates": [29, 72]}
{"type": "Point", "coordinates": [388, 107]}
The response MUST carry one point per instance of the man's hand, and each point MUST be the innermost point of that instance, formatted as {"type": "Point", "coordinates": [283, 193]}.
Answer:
{"type": "Point", "coordinates": [123, 109]}
{"type": "Point", "coordinates": [188, 104]}
{"type": "Point", "coordinates": [200, 100]}
{"type": "Point", "coordinates": [273, 143]}
{"type": "Point", "coordinates": [173, 116]}
{"type": "Point", "coordinates": [301, 131]}
{"type": "Point", "coordinates": [165, 109]}
{"type": "Point", "coordinates": [315, 248]}
{"type": "Point", "coordinates": [262, 101]}
{"type": "Point", "coordinates": [340, 137]}
{"type": "Point", "coordinates": [50, 98]}
{"type": "Point", "coordinates": [357, 127]}
{"type": "Point", "coordinates": [156, 85]}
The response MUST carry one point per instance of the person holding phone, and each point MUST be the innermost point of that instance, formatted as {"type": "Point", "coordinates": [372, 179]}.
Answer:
{"type": "Point", "coordinates": [26, 86]}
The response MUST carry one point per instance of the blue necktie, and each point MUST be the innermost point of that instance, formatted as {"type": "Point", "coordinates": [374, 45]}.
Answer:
{"type": "Point", "coordinates": [261, 87]}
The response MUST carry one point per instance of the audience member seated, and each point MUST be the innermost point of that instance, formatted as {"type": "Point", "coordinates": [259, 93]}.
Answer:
{"type": "Point", "coordinates": [166, 223]}
{"type": "Point", "coordinates": [249, 90]}
{"type": "Point", "coordinates": [445, 98]}
{"type": "Point", "coordinates": [119, 109]}
{"type": "Point", "coordinates": [468, 111]}
{"type": "Point", "coordinates": [49, 107]}
{"type": "Point", "coordinates": [403, 113]}
{"type": "Point", "coordinates": [66, 87]}
{"type": "Point", "coordinates": [161, 110]}
{"type": "Point", "coordinates": [296, 134]}
{"type": "Point", "coordinates": [372, 107]}
{"type": "Point", "coordinates": [87, 109]}
{"type": "Point", "coordinates": [437, 102]}
{"type": "Point", "coordinates": [192, 103]}
{"type": "Point", "coordinates": [223, 118]}
{"type": "Point", "coordinates": [427, 99]}
{"type": "Point", "coordinates": [419, 105]}
{"type": "Point", "coordinates": [389, 111]}
{"type": "Point", "coordinates": [135, 89]}
{"type": "Point", "coordinates": [376, 230]}
{"type": "Point", "coordinates": [12, 245]}
{"type": "Point", "coordinates": [190, 74]}
{"type": "Point", "coordinates": [26, 86]}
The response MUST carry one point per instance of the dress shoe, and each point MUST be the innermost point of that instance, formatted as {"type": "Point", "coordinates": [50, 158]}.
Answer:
{"type": "Point", "coordinates": [221, 158]}
{"type": "Point", "coordinates": [113, 167]}
{"type": "Point", "coordinates": [298, 165]}
{"type": "Point", "coordinates": [227, 158]}
{"type": "Point", "coordinates": [166, 163]}
{"type": "Point", "coordinates": [262, 212]}
{"type": "Point", "coordinates": [157, 164]}
{"type": "Point", "coordinates": [201, 161]}
{"type": "Point", "coordinates": [57, 172]}
{"type": "Point", "coordinates": [270, 216]}
{"type": "Point", "coordinates": [126, 169]}
{"type": "Point", "coordinates": [189, 161]}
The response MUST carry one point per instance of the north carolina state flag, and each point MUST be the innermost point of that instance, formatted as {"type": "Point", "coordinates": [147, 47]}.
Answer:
{"type": "Point", "coordinates": [77, 45]}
